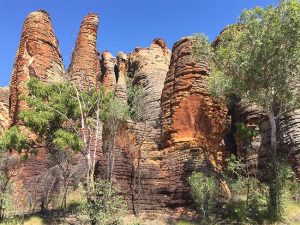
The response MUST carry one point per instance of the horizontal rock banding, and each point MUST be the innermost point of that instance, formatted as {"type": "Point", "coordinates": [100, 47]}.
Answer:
{"type": "Point", "coordinates": [38, 56]}
{"type": "Point", "coordinates": [84, 69]}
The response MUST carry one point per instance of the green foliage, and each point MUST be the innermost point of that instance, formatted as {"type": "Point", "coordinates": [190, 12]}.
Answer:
{"type": "Point", "coordinates": [243, 132]}
{"type": "Point", "coordinates": [285, 186]}
{"type": "Point", "coordinates": [36, 220]}
{"type": "Point", "coordinates": [13, 139]}
{"type": "Point", "coordinates": [248, 204]}
{"type": "Point", "coordinates": [64, 139]}
{"type": "Point", "coordinates": [249, 59]}
{"type": "Point", "coordinates": [204, 191]}
{"type": "Point", "coordinates": [105, 205]}
{"type": "Point", "coordinates": [135, 95]}
{"type": "Point", "coordinates": [203, 51]}
{"type": "Point", "coordinates": [257, 60]}
{"type": "Point", "coordinates": [5, 192]}
{"type": "Point", "coordinates": [55, 115]}
{"type": "Point", "coordinates": [250, 201]}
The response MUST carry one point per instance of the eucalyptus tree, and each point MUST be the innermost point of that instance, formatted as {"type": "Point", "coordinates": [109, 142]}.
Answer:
{"type": "Point", "coordinates": [64, 117]}
{"type": "Point", "coordinates": [258, 59]}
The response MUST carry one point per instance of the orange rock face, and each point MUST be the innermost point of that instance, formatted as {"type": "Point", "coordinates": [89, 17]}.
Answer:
{"type": "Point", "coordinates": [189, 113]}
{"type": "Point", "coordinates": [38, 56]}
{"type": "Point", "coordinates": [108, 71]}
{"type": "Point", "coordinates": [84, 69]}
{"type": "Point", "coordinates": [4, 116]}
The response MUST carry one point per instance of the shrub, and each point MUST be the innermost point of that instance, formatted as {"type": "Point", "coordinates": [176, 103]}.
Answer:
{"type": "Point", "coordinates": [103, 205]}
{"type": "Point", "coordinates": [204, 192]}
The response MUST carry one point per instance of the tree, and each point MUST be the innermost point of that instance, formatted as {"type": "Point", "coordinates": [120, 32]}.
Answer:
{"type": "Point", "coordinates": [136, 103]}
{"type": "Point", "coordinates": [107, 205]}
{"type": "Point", "coordinates": [258, 59]}
{"type": "Point", "coordinates": [204, 191]}
{"type": "Point", "coordinates": [64, 118]}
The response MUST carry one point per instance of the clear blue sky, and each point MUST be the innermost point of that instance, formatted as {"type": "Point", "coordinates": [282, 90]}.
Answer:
{"type": "Point", "coordinates": [124, 24]}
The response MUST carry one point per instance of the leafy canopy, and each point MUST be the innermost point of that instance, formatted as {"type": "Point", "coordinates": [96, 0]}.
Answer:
{"type": "Point", "coordinates": [56, 112]}
{"type": "Point", "coordinates": [258, 59]}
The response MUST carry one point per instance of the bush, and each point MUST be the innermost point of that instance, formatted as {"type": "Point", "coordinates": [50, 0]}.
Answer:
{"type": "Point", "coordinates": [135, 100]}
{"type": "Point", "coordinates": [204, 192]}
{"type": "Point", "coordinates": [103, 205]}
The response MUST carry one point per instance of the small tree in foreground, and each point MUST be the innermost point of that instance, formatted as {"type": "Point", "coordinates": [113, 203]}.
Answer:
{"type": "Point", "coordinates": [107, 205]}
{"type": "Point", "coordinates": [258, 59]}
{"type": "Point", "coordinates": [204, 190]}
{"type": "Point", "coordinates": [65, 118]}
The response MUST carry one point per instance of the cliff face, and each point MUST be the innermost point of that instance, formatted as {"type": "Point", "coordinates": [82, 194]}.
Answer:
{"type": "Point", "coordinates": [38, 56]}
{"type": "Point", "coordinates": [182, 128]}
{"type": "Point", "coordinates": [289, 127]}
{"type": "Point", "coordinates": [4, 104]}
{"type": "Point", "coordinates": [189, 113]}
{"type": "Point", "coordinates": [84, 69]}
{"type": "Point", "coordinates": [108, 71]}
{"type": "Point", "coordinates": [148, 68]}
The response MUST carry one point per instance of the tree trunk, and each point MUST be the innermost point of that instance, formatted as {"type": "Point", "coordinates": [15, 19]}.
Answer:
{"type": "Point", "coordinates": [64, 200]}
{"type": "Point", "coordinates": [273, 191]}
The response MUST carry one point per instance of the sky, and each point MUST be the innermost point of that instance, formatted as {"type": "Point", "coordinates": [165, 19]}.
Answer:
{"type": "Point", "coordinates": [124, 24]}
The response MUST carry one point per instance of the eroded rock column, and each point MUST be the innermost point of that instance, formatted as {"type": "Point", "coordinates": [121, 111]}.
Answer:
{"type": "Point", "coordinates": [38, 56]}
{"type": "Point", "coordinates": [84, 69]}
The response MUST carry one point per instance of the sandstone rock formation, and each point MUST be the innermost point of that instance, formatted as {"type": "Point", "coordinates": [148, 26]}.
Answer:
{"type": "Point", "coordinates": [38, 56]}
{"type": "Point", "coordinates": [4, 104]}
{"type": "Point", "coordinates": [84, 69]}
{"type": "Point", "coordinates": [121, 87]}
{"type": "Point", "coordinates": [108, 70]}
{"type": "Point", "coordinates": [148, 68]}
{"type": "Point", "coordinates": [190, 114]}
{"type": "Point", "coordinates": [289, 126]}
{"type": "Point", "coordinates": [182, 129]}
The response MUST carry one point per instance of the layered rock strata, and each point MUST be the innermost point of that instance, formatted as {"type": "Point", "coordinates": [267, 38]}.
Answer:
{"type": "Point", "coordinates": [38, 56]}
{"type": "Point", "coordinates": [4, 105]}
{"type": "Point", "coordinates": [148, 68]}
{"type": "Point", "coordinates": [190, 115]}
{"type": "Point", "coordinates": [121, 86]}
{"type": "Point", "coordinates": [109, 71]}
{"type": "Point", "coordinates": [289, 126]}
{"type": "Point", "coordinates": [84, 69]}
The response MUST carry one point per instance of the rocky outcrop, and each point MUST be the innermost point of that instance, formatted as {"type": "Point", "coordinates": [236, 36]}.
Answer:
{"type": "Point", "coordinates": [109, 70]}
{"type": "Point", "coordinates": [38, 56]}
{"type": "Point", "coordinates": [4, 116]}
{"type": "Point", "coordinates": [190, 115]}
{"type": "Point", "coordinates": [84, 69]}
{"type": "Point", "coordinates": [148, 68]}
{"type": "Point", "coordinates": [182, 129]}
{"type": "Point", "coordinates": [289, 126]}
{"type": "Point", "coordinates": [121, 87]}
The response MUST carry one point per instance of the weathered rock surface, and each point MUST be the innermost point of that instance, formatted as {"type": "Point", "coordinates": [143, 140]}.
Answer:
{"type": "Point", "coordinates": [4, 104]}
{"type": "Point", "coordinates": [109, 70]}
{"type": "Point", "coordinates": [189, 113]}
{"type": "Point", "coordinates": [256, 151]}
{"type": "Point", "coordinates": [38, 56]}
{"type": "Point", "coordinates": [182, 128]}
{"type": "Point", "coordinates": [84, 69]}
{"type": "Point", "coordinates": [289, 126]}
{"type": "Point", "coordinates": [148, 67]}
{"type": "Point", "coordinates": [121, 87]}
